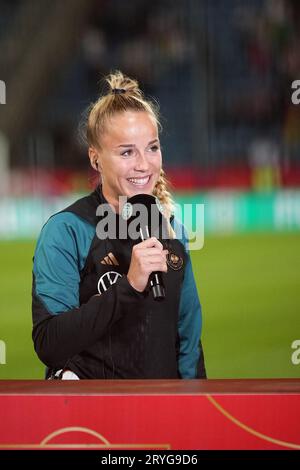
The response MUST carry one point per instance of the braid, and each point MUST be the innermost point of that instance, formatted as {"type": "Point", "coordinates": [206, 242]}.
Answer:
{"type": "Point", "coordinates": [161, 191]}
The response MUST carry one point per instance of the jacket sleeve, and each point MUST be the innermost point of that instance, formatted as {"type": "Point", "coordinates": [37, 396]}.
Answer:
{"type": "Point", "coordinates": [191, 357]}
{"type": "Point", "coordinates": [62, 328]}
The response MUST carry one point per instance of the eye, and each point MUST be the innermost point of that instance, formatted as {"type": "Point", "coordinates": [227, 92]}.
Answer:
{"type": "Point", "coordinates": [154, 148]}
{"type": "Point", "coordinates": [127, 153]}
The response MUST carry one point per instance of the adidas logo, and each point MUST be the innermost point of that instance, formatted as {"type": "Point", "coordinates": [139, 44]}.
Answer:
{"type": "Point", "coordinates": [110, 259]}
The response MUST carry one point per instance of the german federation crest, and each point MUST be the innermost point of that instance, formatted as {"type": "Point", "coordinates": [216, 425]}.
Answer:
{"type": "Point", "coordinates": [174, 261]}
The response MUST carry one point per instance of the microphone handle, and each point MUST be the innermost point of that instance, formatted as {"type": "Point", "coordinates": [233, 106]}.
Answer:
{"type": "Point", "coordinates": [155, 278]}
{"type": "Point", "coordinates": [157, 286]}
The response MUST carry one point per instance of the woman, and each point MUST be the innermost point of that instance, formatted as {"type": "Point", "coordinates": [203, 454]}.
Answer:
{"type": "Point", "coordinates": [93, 317]}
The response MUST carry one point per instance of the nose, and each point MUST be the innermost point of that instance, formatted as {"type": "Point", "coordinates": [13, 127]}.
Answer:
{"type": "Point", "coordinates": [142, 163]}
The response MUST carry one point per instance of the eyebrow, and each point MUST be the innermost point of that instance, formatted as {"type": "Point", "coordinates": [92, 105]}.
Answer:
{"type": "Point", "coordinates": [132, 145]}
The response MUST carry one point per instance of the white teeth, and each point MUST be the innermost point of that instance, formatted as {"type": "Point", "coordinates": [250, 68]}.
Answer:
{"type": "Point", "coordinates": [139, 181]}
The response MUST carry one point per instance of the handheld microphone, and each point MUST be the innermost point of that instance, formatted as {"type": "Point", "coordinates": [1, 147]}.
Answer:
{"type": "Point", "coordinates": [150, 223]}
{"type": "Point", "coordinates": [155, 279]}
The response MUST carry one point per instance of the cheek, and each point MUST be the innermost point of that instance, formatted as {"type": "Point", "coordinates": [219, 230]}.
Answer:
{"type": "Point", "coordinates": [114, 168]}
{"type": "Point", "coordinates": [124, 169]}
{"type": "Point", "coordinates": [107, 166]}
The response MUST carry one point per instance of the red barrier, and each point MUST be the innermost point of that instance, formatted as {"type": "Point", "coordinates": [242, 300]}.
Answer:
{"type": "Point", "coordinates": [167, 414]}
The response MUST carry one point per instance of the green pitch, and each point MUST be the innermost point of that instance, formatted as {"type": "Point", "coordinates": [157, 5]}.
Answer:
{"type": "Point", "coordinates": [250, 292]}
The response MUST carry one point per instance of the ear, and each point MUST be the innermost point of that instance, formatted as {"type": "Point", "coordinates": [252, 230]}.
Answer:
{"type": "Point", "coordinates": [94, 159]}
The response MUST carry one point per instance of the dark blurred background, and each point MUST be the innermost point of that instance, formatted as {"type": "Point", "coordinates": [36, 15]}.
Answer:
{"type": "Point", "coordinates": [222, 71]}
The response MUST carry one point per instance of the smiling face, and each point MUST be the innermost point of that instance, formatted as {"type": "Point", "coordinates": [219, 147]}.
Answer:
{"type": "Point", "coordinates": [130, 157]}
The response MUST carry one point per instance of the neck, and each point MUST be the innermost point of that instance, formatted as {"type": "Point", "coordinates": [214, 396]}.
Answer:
{"type": "Point", "coordinates": [114, 203]}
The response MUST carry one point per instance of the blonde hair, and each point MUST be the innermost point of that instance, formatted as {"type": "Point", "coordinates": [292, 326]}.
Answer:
{"type": "Point", "coordinates": [123, 95]}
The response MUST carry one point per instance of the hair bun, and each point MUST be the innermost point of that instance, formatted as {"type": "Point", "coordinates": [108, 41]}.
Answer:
{"type": "Point", "coordinates": [118, 91]}
{"type": "Point", "coordinates": [120, 84]}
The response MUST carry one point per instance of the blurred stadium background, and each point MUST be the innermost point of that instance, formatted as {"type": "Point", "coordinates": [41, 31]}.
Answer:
{"type": "Point", "coordinates": [222, 71]}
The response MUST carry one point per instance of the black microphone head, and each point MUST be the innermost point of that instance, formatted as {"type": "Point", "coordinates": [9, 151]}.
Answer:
{"type": "Point", "coordinates": [146, 200]}
{"type": "Point", "coordinates": [145, 212]}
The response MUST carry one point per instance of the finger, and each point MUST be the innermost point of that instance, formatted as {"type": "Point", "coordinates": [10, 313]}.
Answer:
{"type": "Point", "coordinates": [147, 257]}
{"type": "Point", "coordinates": [154, 259]}
{"type": "Point", "coordinates": [157, 267]}
{"type": "Point", "coordinates": [150, 242]}
{"type": "Point", "coordinates": [151, 252]}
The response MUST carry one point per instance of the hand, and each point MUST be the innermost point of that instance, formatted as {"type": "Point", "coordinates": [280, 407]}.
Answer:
{"type": "Point", "coordinates": [146, 257]}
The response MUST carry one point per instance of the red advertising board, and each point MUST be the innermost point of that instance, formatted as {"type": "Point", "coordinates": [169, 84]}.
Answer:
{"type": "Point", "coordinates": [212, 414]}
